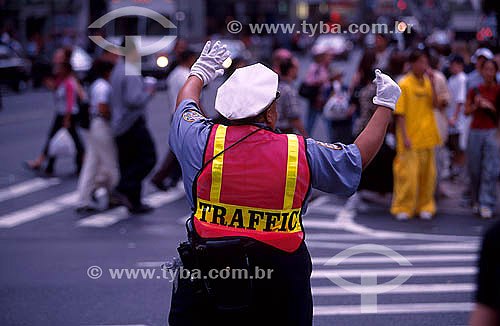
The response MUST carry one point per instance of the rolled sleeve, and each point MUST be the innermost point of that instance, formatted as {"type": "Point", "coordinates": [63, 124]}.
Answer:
{"type": "Point", "coordinates": [335, 168]}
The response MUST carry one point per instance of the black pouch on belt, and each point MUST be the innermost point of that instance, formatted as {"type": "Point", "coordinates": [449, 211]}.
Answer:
{"type": "Point", "coordinates": [226, 272]}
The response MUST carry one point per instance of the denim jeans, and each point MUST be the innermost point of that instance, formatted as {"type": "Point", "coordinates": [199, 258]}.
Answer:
{"type": "Point", "coordinates": [312, 115]}
{"type": "Point", "coordinates": [483, 166]}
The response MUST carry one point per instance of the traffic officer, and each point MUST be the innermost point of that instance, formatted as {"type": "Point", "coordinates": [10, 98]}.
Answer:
{"type": "Point", "coordinates": [248, 184]}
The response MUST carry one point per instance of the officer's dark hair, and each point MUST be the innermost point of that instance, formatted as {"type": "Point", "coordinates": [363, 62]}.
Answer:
{"type": "Point", "coordinates": [416, 54]}
{"type": "Point", "coordinates": [285, 66]}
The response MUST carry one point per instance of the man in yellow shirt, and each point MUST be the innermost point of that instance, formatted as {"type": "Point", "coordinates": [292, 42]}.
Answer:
{"type": "Point", "coordinates": [417, 134]}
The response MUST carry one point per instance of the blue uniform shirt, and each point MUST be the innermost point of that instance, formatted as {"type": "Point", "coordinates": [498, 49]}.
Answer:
{"type": "Point", "coordinates": [335, 168]}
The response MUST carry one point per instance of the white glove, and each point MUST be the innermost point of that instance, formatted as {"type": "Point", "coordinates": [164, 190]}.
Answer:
{"type": "Point", "coordinates": [388, 91]}
{"type": "Point", "coordinates": [209, 64]}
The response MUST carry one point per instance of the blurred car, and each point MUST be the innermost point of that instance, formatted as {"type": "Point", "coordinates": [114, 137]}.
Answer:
{"type": "Point", "coordinates": [157, 64]}
{"type": "Point", "coordinates": [337, 45]}
{"type": "Point", "coordinates": [14, 69]}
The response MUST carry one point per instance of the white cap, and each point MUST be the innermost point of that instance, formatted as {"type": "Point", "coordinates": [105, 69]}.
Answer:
{"type": "Point", "coordinates": [319, 49]}
{"type": "Point", "coordinates": [247, 92]}
{"type": "Point", "coordinates": [482, 52]}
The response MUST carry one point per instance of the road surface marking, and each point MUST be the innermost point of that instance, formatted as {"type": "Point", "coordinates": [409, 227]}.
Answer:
{"type": "Point", "coordinates": [452, 246]}
{"type": "Point", "coordinates": [26, 187]}
{"type": "Point", "coordinates": [348, 224]}
{"type": "Point", "coordinates": [32, 213]}
{"type": "Point", "coordinates": [150, 264]}
{"type": "Point", "coordinates": [412, 308]}
{"type": "Point", "coordinates": [404, 288]}
{"type": "Point", "coordinates": [415, 271]}
{"type": "Point", "coordinates": [412, 259]}
{"type": "Point", "coordinates": [115, 215]}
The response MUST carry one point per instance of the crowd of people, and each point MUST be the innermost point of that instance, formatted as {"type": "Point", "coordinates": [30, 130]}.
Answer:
{"type": "Point", "coordinates": [119, 150]}
{"type": "Point", "coordinates": [445, 124]}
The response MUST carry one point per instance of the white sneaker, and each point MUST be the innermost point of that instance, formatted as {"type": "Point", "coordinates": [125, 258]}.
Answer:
{"type": "Point", "coordinates": [485, 212]}
{"type": "Point", "coordinates": [425, 215]}
{"type": "Point", "coordinates": [402, 216]}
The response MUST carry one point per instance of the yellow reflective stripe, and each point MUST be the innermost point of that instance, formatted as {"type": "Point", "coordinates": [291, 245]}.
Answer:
{"type": "Point", "coordinates": [220, 138]}
{"type": "Point", "coordinates": [291, 171]}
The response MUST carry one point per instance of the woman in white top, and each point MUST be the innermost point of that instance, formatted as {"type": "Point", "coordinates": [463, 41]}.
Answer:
{"type": "Point", "coordinates": [67, 90]}
{"type": "Point", "coordinates": [100, 168]}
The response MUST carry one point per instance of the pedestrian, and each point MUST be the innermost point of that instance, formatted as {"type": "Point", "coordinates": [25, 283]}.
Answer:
{"type": "Point", "coordinates": [457, 121]}
{"type": "Point", "coordinates": [382, 50]}
{"type": "Point", "coordinates": [442, 100]}
{"type": "Point", "coordinates": [289, 111]}
{"type": "Point", "coordinates": [278, 56]}
{"type": "Point", "coordinates": [312, 87]}
{"type": "Point", "coordinates": [170, 167]}
{"type": "Point", "coordinates": [136, 149]}
{"type": "Point", "coordinates": [338, 109]}
{"type": "Point", "coordinates": [248, 185]}
{"type": "Point", "coordinates": [100, 168]}
{"type": "Point", "coordinates": [67, 90]}
{"type": "Point", "coordinates": [417, 135]}
{"type": "Point", "coordinates": [475, 78]}
{"type": "Point", "coordinates": [487, 310]}
{"type": "Point", "coordinates": [482, 147]}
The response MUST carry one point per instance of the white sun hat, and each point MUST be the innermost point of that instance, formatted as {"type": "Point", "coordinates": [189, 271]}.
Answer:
{"type": "Point", "coordinates": [482, 52]}
{"type": "Point", "coordinates": [248, 92]}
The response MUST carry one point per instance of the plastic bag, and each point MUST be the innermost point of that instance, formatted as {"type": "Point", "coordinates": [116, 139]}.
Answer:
{"type": "Point", "coordinates": [62, 144]}
{"type": "Point", "coordinates": [337, 107]}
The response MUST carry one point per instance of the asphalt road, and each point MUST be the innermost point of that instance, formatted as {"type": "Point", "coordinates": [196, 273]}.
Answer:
{"type": "Point", "coordinates": [46, 249]}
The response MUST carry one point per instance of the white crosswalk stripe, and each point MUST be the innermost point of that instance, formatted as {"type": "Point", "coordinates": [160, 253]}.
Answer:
{"type": "Point", "coordinates": [417, 271]}
{"type": "Point", "coordinates": [26, 187]}
{"type": "Point", "coordinates": [115, 215]}
{"type": "Point", "coordinates": [405, 288]}
{"type": "Point", "coordinates": [62, 202]}
{"type": "Point", "coordinates": [35, 212]}
{"type": "Point", "coordinates": [413, 308]}
{"type": "Point", "coordinates": [439, 267]}
{"type": "Point", "coordinates": [411, 258]}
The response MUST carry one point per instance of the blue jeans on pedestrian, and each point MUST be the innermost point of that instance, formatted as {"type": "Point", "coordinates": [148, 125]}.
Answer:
{"type": "Point", "coordinates": [483, 166]}
{"type": "Point", "coordinates": [312, 115]}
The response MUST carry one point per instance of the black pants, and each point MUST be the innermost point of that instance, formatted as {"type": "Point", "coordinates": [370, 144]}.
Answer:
{"type": "Point", "coordinates": [283, 299]}
{"type": "Point", "coordinates": [169, 168]}
{"type": "Point", "coordinates": [137, 157]}
{"type": "Point", "coordinates": [56, 125]}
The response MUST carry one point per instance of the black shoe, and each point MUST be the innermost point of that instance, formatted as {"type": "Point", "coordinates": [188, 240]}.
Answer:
{"type": "Point", "coordinates": [30, 166]}
{"type": "Point", "coordinates": [140, 209]}
{"type": "Point", "coordinates": [118, 199]}
{"type": "Point", "coordinates": [87, 209]}
{"type": "Point", "coordinates": [160, 185]}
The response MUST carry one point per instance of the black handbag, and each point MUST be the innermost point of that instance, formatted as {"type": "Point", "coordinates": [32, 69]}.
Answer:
{"type": "Point", "coordinates": [309, 92]}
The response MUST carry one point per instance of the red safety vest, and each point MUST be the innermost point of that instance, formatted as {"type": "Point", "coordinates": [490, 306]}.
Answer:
{"type": "Point", "coordinates": [256, 189]}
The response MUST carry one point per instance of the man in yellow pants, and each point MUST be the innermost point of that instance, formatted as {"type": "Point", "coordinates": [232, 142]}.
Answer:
{"type": "Point", "coordinates": [417, 134]}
